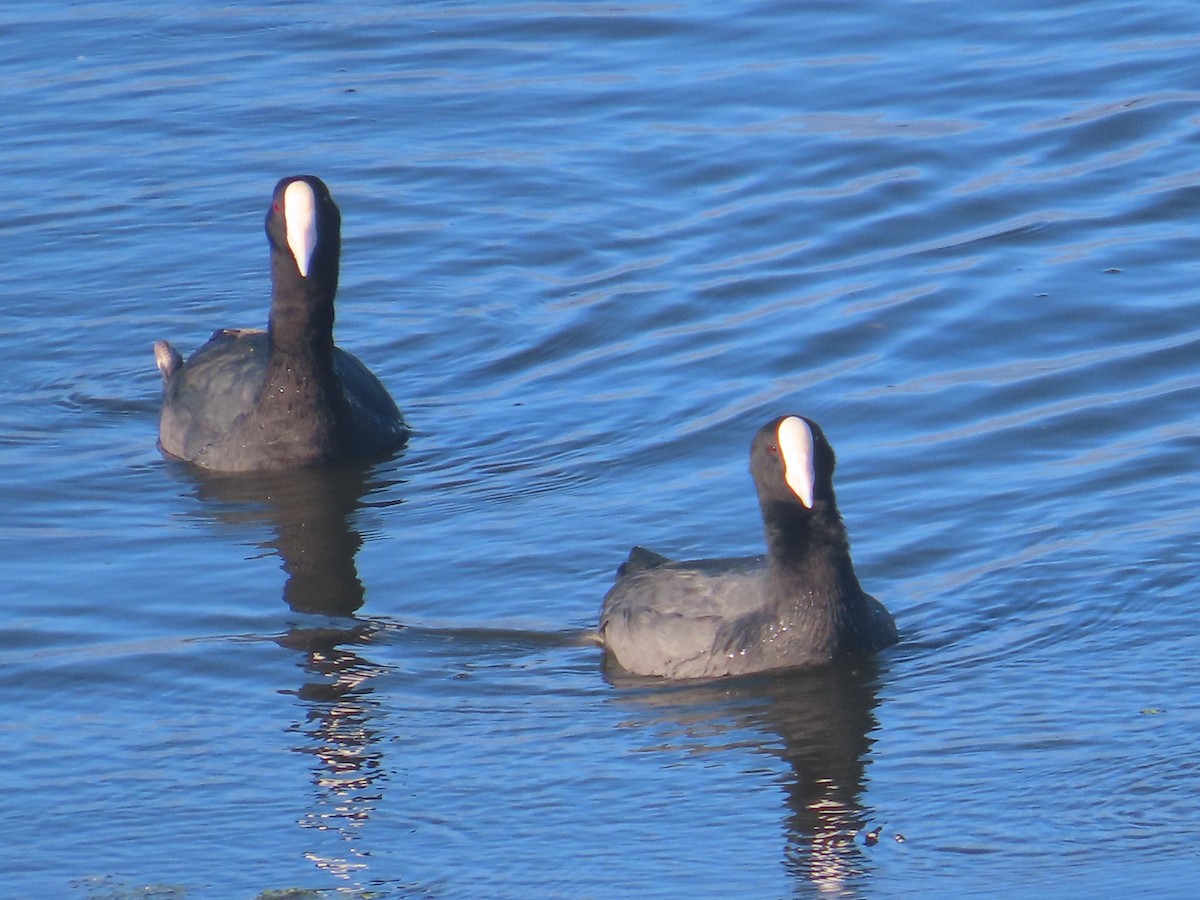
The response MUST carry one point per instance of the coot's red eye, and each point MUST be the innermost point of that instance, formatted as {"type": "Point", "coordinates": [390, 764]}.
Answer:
{"type": "Point", "coordinates": [774, 448]}
{"type": "Point", "coordinates": [278, 206]}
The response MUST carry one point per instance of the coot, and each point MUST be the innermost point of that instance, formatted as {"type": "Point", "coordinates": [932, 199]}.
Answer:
{"type": "Point", "coordinates": [285, 397]}
{"type": "Point", "coordinates": [800, 605]}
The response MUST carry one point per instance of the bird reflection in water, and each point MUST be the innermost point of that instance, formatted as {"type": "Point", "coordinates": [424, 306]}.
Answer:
{"type": "Point", "coordinates": [818, 722]}
{"type": "Point", "coordinates": [338, 734]}
{"type": "Point", "coordinates": [310, 515]}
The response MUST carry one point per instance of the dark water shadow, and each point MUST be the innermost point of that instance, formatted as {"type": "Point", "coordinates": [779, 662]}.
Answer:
{"type": "Point", "coordinates": [310, 514]}
{"type": "Point", "coordinates": [820, 724]}
{"type": "Point", "coordinates": [310, 517]}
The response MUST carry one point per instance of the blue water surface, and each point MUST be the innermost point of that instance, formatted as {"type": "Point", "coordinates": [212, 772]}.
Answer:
{"type": "Point", "coordinates": [590, 249]}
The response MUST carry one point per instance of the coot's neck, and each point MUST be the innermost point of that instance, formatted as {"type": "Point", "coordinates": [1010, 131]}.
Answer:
{"type": "Point", "coordinates": [301, 319]}
{"type": "Point", "coordinates": [808, 549]}
{"type": "Point", "coordinates": [300, 370]}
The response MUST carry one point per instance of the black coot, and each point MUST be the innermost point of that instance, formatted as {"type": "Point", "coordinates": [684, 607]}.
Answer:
{"type": "Point", "coordinates": [285, 397]}
{"type": "Point", "coordinates": [800, 605]}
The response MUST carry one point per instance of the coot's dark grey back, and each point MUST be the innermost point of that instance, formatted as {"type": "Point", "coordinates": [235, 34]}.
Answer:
{"type": "Point", "coordinates": [221, 381]}
{"type": "Point", "coordinates": [666, 616]}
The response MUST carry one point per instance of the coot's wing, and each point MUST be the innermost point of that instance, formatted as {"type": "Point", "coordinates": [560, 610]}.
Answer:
{"type": "Point", "coordinates": [377, 420]}
{"type": "Point", "coordinates": [664, 620]}
{"type": "Point", "coordinates": [639, 560]}
{"type": "Point", "coordinates": [217, 384]}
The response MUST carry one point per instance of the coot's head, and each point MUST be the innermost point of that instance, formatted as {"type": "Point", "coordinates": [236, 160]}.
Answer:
{"type": "Point", "coordinates": [304, 227]}
{"type": "Point", "coordinates": [792, 464]}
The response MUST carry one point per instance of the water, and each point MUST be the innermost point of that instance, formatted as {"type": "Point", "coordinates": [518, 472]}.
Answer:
{"type": "Point", "coordinates": [590, 249]}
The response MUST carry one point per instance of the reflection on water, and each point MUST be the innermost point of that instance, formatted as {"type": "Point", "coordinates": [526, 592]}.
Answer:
{"type": "Point", "coordinates": [348, 770]}
{"type": "Point", "coordinates": [817, 722]}
{"type": "Point", "coordinates": [310, 516]}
